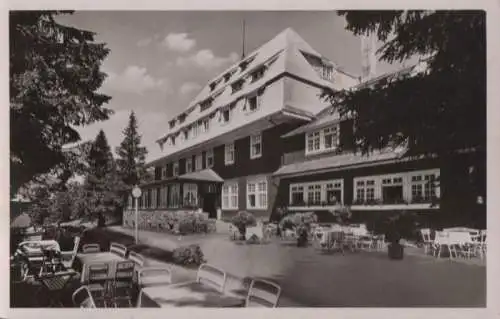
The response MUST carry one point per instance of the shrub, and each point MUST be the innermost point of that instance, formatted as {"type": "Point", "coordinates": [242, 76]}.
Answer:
{"type": "Point", "coordinates": [188, 255]}
{"type": "Point", "coordinates": [242, 220]}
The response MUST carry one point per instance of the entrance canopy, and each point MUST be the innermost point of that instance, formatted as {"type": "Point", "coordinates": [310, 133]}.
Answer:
{"type": "Point", "coordinates": [206, 175]}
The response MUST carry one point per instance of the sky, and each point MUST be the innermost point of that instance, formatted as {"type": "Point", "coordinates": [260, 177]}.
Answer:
{"type": "Point", "coordinates": [159, 60]}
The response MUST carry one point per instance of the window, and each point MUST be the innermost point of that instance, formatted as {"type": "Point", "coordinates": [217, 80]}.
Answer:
{"type": "Point", "coordinates": [209, 158]}
{"type": "Point", "coordinates": [229, 154]}
{"type": "Point", "coordinates": [225, 115]}
{"type": "Point", "coordinates": [182, 117]}
{"type": "Point", "coordinates": [365, 190]}
{"type": "Point", "coordinates": [164, 172]}
{"type": "Point", "coordinates": [230, 196]}
{"type": "Point", "coordinates": [331, 137]}
{"type": "Point", "coordinates": [175, 169]}
{"type": "Point", "coordinates": [163, 196]}
{"type": "Point", "coordinates": [314, 194]}
{"type": "Point", "coordinates": [237, 86]}
{"type": "Point", "coordinates": [258, 74]}
{"type": "Point", "coordinates": [255, 146]}
{"type": "Point", "coordinates": [190, 194]}
{"type": "Point", "coordinates": [205, 104]}
{"type": "Point", "coordinates": [154, 197]}
{"type": "Point", "coordinates": [228, 75]}
{"type": "Point", "coordinates": [194, 129]}
{"type": "Point", "coordinates": [257, 194]}
{"type": "Point", "coordinates": [313, 141]}
{"type": "Point", "coordinates": [172, 140]}
{"type": "Point", "coordinates": [172, 124]}
{"type": "Point", "coordinates": [189, 165]}
{"type": "Point", "coordinates": [327, 72]}
{"type": "Point", "coordinates": [205, 125]}
{"type": "Point", "coordinates": [392, 190]}
{"type": "Point", "coordinates": [297, 195]}
{"type": "Point", "coordinates": [199, 162]}
{"type": "Point", "coordinates": [186, 134]}
{"type": "Point", "coordinates": [253, 103]}
{"type": "Point", "coordinates": [213, 85]}
{"type": "Point", "coordinates": [174, 195]}
{"type": "Point", "coordinates": [323, 140]}
{"type": "Point", "coordinates": [423, 187]}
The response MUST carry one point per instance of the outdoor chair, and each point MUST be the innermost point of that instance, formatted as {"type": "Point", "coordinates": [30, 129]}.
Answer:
{"type": "Point", "coordinates": [97, 281]}
{"type": "Point", "coordinates": [122, 284]}
{"type": "Point", "coordinates": [53, 286]}
{"type": "Point", "coordinates": [118, 249]}
{"type": "Point", "coordinates": [263, 293]}
{"type": "Point", "coordinates": [136, 258]}
{"type": "Point", "coordinates": [441, 240]}
{"type": "Point", "coordinates": [82, 298]}
{"type": "Point", "coordinates": [91, 248]}
{"type": "Point", "coordinates": [153, 276]}
{"type": "Point", "coordinates": [380, 242]}
{"type": "Point", "coordinates": [426, 239]}
{"type": "Point", "coordinates": [212, 276]}
{"type": "Point", "coordinates": [68, 257]}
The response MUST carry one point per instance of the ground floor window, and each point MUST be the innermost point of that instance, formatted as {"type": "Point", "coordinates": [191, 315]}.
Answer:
{"type": "Point", "coordinates": [257, 194]}
{"type": "Point", "coordinates": [154, 198]}
{"type": "Point", "coordinates": [399, 188]}
{"type": "Point", "coordinates": [230, 196]}
{"type": "Point", "coordinates": [329, 192]}
{"type": "Point", "coordinates": [163, 196]}
{"type": "Point", "coordinates": [174, 195]}
{"type": "Point", "coordinates": [190, 194]}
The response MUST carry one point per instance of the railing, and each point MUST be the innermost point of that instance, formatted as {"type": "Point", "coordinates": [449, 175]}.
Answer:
{"type": "Point", "coordinates": [293, 157]}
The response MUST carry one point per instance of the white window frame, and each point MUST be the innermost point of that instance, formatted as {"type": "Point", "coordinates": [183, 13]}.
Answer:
{"type": "Point", "coordinates": [254, 140]}
{"type": "Point", "coordinates": [174, 199]}
{"type": "Point", "coordinates": [175, 168]}
{"type": "Point", "coordinates": [209, 154]}
{"type": "Point", "coordinates": [229, 196]}
{"type": "Point", "coordinates": [229, 154]}
{"type": "Point", "coordinates": [424, 183]}
{"type": "Point", "coordinates": [316, 142]}
{"type": "Point", "coordinates": [189, 164]}
{"type": "Point", "coordinates": [198, 165]}
{"type": "Point", "coordinates": [205, 124]}
{"type": "Point", "coordinates": [190, 190]}
{"type": "Point", "coordinates": [260, 189]}
{"type": "Point", "coordinates": [323, 186]}
{"type": "Point", "coordinates": [154, 198]}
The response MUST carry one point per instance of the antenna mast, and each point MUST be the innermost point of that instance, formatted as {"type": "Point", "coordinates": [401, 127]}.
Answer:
{"type": "Point", "coordinates": [243, 40]}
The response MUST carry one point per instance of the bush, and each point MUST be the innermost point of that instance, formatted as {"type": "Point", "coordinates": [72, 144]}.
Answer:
{"type": "Point", "coordinates": [188, 255]}
{"type": "Point", "coordinates": [242, 220]}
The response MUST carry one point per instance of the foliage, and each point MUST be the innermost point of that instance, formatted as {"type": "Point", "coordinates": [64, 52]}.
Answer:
{"type": "Point", "coordinates": [103, 184]}
{"type": "Point", "coordinates": [54, 80]}
{"type": "Point", "coordinates": [188, 255]}
{"type": "Point", "coordinates": [435, 108]}
{"type": "Point", "coordinates": [243, 219]}
{"type": "Point", "coordinates": [343, 214]}
{"type": "Point", "coordinates": [131, 155]}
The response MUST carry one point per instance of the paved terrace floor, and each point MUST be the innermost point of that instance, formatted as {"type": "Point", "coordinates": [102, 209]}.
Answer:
{"type": "Point", "coordinates": [313, 279]}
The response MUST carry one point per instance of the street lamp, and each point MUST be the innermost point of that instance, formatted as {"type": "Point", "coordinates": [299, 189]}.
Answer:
{"type": "Point", "coordinates": [136, 193]}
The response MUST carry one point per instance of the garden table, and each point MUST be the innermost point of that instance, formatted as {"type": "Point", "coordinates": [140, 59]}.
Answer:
{"type": "Point", "coordinates": [187, 294]}
{"type": "Point", "coordinates": [53, 285]}
{"type": "Point", "coordinates": [84, 260]}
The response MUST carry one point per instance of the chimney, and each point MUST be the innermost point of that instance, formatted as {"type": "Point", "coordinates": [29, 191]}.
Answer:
{"type": "Point", "coordinates": [368, 56]}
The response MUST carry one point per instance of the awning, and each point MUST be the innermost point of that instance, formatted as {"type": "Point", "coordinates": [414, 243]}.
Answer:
{"type": "Point", "coordinates": [206, 175]}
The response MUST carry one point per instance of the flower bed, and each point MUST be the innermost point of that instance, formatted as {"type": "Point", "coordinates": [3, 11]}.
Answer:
{"type": "Point", "coordinates": [176, 222]}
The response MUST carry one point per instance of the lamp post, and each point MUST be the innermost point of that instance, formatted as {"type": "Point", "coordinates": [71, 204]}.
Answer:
{"type": "Point", "coordinates": [136, 193]}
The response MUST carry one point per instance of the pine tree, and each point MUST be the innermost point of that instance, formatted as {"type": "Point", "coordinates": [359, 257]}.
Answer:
{"type": "Point", "coordinates": [102, 183]}
{"type": "Point", "coordinates": [55, 77]}
{"type": "Point", "coordinates": [131, 155]}
{"type": "Point", "coordinates": [441, 111]}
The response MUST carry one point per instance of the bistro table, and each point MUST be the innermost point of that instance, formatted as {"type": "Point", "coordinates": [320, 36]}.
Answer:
{"type": "Point", "coordinates": [84, 260]}
{"type": "Point", "coordinates": [187, 294]}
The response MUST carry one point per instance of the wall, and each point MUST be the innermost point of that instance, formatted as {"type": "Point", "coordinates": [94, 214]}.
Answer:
{"type": "Point", "coordinates": [302, 95]}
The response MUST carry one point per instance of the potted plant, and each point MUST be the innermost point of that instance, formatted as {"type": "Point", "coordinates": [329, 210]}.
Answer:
{"type": "Point", "coordinates": [393, 235]}
{"type": "Point", "coordinates": [303, 223]}
{"type": "Point", "coordinates": [242, 220]}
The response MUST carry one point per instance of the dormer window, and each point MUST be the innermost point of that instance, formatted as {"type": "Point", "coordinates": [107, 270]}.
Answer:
{"type": "Point", "coordinates": [205, 104]}
{"type": "Point", "coordinates": [182, 117]}
{"type": "Point", "coordinates": [172, 140]}
{"type": "Point", "coordinates": [225, 114]}
{"type": "Point", "coordinates": [254, 101]}
{"type": "Point", "coordinates": [212, 86]}
{"type": "Point", "coordinates": [172, 123]}
{"type": "Point", "coordinates": [228, 75]}
{"type": "Point", "coordinates": [323, 140]}
{"type": "Point", "coordinates": [258, 74]}
{"type": "Point", "coordinates": [205, 125]}
{"type": "Point", "coordinates": [237, 86]}
{"type": "Point", "coordinates": [186, 134]}
{"type": "Point", "coordinates": [244, 64]}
